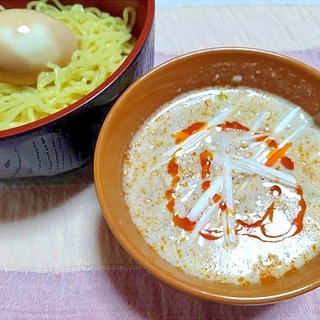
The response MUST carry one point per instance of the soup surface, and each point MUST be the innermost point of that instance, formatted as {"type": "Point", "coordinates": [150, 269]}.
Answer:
{"type": "Point", "coordinates": [223, 184]}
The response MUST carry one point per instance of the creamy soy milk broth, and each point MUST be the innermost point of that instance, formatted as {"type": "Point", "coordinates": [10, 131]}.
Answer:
{"type": "Point", "coordinates": [223, 184]}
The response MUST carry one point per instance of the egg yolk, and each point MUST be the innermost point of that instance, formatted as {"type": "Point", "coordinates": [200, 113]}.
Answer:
{"type": "Point", "coordinates": [29, 40]}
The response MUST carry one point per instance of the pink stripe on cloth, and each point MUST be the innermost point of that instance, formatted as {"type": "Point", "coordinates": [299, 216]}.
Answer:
{"type": "Point", "coordinates": [126, 294]}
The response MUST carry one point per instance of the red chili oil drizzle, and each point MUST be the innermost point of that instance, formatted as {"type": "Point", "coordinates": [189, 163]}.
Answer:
{"type": "Point", "coordinates": [173, 167]}
{"type": "Point", "coordinates": [223, 206]}
{"type": "Point", "coordinates": [257, 229]}
{"type": "Point", "coordinates": [186, 133]}
{"type": "Point", "coordinates": [173, 170]}
{"type": "Point", "coordinates": [169, 195]}
{"type": "Point", "coordinates": [205, 185]}
{"type": "Point", "coordinates": [298, 220]}
{"type": "Point", "coordinates": [287, 163]}
{"type": "Point", "coordinates": [175, 181]}
{"type": "Point", "coordinates": [216, 198]}
{"type": "Point", "coordinates": [211, 234]}
{"type": "Point", "coordinates": [261, 138]}
{"type": "Point", "coordinates": [183, 223]}
{"type": "Point", "coordinates": [272, 143]}
{"type": "Point", "coordinates": [206, 158]}
{"type": "Point", "coordinates": [275, 191]}
{"type": "Point", "coordinates": [232, 125]}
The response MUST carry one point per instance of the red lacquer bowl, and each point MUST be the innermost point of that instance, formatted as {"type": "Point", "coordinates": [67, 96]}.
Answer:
{"type": "Point", "coordinates": [66, 139]}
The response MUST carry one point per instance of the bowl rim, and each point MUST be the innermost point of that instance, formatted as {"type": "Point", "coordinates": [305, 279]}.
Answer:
{"type": "Point", "coordinates": [128, 246]}
{"type": "Point", "coordinates": [147, 26]}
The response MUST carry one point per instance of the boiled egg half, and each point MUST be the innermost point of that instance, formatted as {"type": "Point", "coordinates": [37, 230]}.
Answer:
{"type": "Point", "coordinates": [29, 40]}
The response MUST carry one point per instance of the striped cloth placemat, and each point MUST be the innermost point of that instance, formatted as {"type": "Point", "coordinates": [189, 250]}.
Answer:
{"type": "Point", "coordinates": [58, 259]}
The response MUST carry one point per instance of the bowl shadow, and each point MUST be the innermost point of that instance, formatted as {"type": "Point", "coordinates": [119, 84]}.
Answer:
{"type": "Point", "coordinates": [27, 197]}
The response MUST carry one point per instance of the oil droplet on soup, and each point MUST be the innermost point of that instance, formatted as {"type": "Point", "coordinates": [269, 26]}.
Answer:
{"type": "Point", "coordinates": [232, 188]}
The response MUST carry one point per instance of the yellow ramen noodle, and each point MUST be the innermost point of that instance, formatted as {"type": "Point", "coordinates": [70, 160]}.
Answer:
{"type": "Point", "coordinates": [104, 43]}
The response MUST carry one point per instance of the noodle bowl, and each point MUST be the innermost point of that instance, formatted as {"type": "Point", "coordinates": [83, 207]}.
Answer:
{"type": "Point", "coordinates": [65, 140]}
{"type": "Point", "coordinates": [105, 41]}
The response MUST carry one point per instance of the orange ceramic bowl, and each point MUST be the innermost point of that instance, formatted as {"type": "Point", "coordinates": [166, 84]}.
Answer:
{"type": "Point", "coordinates": [271, 72]}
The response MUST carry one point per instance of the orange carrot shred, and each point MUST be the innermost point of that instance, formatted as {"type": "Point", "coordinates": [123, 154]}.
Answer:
{"type": "Point", "coordinates": [277, 154]}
